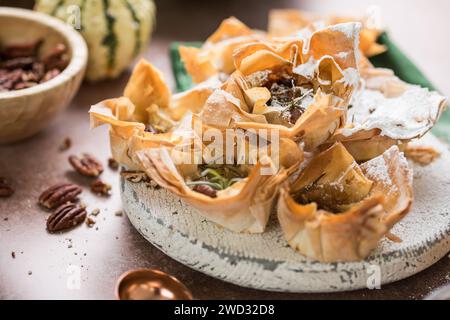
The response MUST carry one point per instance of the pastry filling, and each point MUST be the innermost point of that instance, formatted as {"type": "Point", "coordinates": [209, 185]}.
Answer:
{"type": "Point", "coordinates": [155, 129]}
{"type": "Point", "coordinates": [213, 178]}
{"type": "Point", "coordinates": [332, 197]}
{"type": "Point", "coordinates": [290, 99]}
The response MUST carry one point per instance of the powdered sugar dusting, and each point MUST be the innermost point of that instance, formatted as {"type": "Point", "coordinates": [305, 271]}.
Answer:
{"type": "Point", "coordinates": [217, 97]}
{"type": "Point", "coordinates": [350, 29]}
{"type": "Point", "coordinates": [342, 55]}
{"type": "Point", "coordinates": [307, 69]}
{"type": "Point", "coordinates": [257, 78]}
{"type": "Point", "coordinates": [310, 69]}
{"type": "Point", "coordinates": [392, 164]}
{"type": "Point", "coordinates": [211, 84]}
{"type": "Point", "coordinates": [431, 207]}
{"type": "Point", "coordinates": [406, 116]}
{"type": "Point", "coordinates": [377, 169]}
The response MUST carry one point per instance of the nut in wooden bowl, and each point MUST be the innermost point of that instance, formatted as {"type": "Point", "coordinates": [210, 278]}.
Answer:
{"type": "Point", "coordinates": [28, 107]}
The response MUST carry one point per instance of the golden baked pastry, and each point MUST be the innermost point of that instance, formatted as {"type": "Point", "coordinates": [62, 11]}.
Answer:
{"type": "Point", "coordinates": [347, 208]}
{"type": "Point", "coordinates": [328, 128]}
{"type": "Point", "coordinates": [291, 22]}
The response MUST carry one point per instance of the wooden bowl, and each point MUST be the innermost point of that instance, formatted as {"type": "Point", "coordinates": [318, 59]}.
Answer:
{"type": "Point", "coordinates": [25, 112]}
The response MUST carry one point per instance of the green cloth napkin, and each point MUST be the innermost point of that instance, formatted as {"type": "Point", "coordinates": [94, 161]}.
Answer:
{"type": "Point", "coordinates": [393, 59]}
{"type": "Point", "coordinates": [183, 81]}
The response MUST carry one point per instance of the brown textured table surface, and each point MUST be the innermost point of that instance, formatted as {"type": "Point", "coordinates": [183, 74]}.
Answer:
{"type": "Point", "coordinates": [42, 268]}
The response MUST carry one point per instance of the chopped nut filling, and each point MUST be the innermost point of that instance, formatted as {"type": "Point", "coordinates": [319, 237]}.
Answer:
{"type": "Point", "coordinates": [291, 99]}
{"type": "Point", "coordinates": [214, 178]}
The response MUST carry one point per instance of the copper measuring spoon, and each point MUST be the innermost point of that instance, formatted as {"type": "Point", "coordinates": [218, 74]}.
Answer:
{"type": "Point", "coordinates": [150, 284]}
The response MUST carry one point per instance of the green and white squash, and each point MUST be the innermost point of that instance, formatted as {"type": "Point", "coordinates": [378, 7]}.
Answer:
{"type": "Point", "coordinates": [116, 31]}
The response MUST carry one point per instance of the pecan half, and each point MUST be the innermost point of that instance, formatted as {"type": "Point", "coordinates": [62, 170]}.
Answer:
{"type": "Point", "coordinates": [65, 145]}
{"type": "Point", "coordinates": [56, 58]}
{"type": "Point", "coordinates": [113, 164]}
{"type": "Point", "coordinates": [21, 67]}
{"type": "Point", "coordinates": [152, 129]}
{"type": "Point", "coordinates": [206, 190]}
{"type": "Point", "coordinates": [29, 76]}
{"type": "Point", "coordinates": [22, 50]}
{"type": "Point", "coordinates": [90, 221]}
{"type": "Point", "coordinates": [101, 188]}
{"type": "Point", "coordinates": [49, 75]}
{"type": "Point", "coordinates": [8, 79]}
{"type": "Point", "coordinates": [66, 216]}
{"type": "Point", "coordinates": [87, 165]}
{"type": "Point", "coordinates": [59, 194]}
{"type": "Point", "coordinates": [5, 188]}
{"type": "Point", "coordinates": [18, 63]}
{"type": "Point", "coordinates": [38, 69]}
{"type": "Point", "coordinates": [24, 85]}
{"type": "Point", "coordinates": [135, 176]}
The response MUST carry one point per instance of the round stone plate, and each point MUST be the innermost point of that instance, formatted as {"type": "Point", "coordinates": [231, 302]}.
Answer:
{"type": "Point", "coordinates": [265, 261]}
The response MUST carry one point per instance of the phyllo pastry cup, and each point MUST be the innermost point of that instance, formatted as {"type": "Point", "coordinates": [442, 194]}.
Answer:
{"type": "Point", "coordinates": [292, 22]}
{"type": "Point", "coordinates": [237, 197]}
{"type": "Point", "coordinates": [337, 210]}
{"type": "Point", "coordinates": [386, 112]}
{"type": "Point", "coordinates": [299, 88]}
{"type": "Point", "coordinates": [147, 115]}
{"type": "Point", "coordinates": [215, 57]}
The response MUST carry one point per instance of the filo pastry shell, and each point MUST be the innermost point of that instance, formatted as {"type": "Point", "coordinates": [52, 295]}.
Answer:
{"type": "Point", "coordinates": [147, 100]}
{"type": "Point", "coordinates": [126, 135]}
{"type": "Point", "coordinates": [354, 231]}
{"type": "Point", "coordinates": [216, 54]}
{"type": "Point", "coordinates": [291, 22]}
{"type": "Point", "coordinates": [386, 112]}
{"type": "Point", "coordinates": [192, 100]}
{"type": "Point", "coordinates": [331, 65]}
{"type": "Point", "coordinates": [243, 207]}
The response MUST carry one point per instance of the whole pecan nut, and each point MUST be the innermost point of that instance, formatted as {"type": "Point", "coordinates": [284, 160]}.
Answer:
{"type": "Point", "coordinates": [59, 194]}
{"type": "Point", "coordinates": [66, 216]}
{"type": "Point", "coordinates": [87, 165]}
{"type": "Point", "coordinates": [5, 188]}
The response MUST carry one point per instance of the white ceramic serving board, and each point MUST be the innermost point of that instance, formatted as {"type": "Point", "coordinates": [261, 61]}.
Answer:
{"type": "Point", "coordinates": [266, 261]}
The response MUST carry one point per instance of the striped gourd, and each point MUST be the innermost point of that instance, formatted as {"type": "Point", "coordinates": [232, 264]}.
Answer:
{"type": "Point", "coordinates": [116, 31]}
